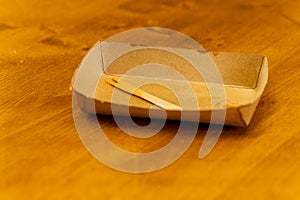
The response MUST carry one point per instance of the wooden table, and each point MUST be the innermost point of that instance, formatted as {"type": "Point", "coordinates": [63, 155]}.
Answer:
{"type": "Point", "coordinates": [41, 155]}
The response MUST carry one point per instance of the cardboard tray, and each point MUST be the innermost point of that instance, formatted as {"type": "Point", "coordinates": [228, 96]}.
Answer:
{"type": "Point", "coordinates": [244, 79]}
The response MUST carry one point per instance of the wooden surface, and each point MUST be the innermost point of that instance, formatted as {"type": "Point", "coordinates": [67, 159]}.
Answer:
{"type": "Point", "coordinates": [41, 155]}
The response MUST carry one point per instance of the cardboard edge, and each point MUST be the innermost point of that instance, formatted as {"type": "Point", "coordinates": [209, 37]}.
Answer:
{"type": "Point", "coordinates": [247, 111]}
{"type": "Point", "coordinates": [89, 71]}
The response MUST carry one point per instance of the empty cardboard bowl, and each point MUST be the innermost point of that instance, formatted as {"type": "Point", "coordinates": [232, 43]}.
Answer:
{"type": "Point", "coordinates": [243, 79]}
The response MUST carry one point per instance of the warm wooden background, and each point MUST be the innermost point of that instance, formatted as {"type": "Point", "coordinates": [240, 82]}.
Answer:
{"type": "Point", "coordinates": [41, 156]}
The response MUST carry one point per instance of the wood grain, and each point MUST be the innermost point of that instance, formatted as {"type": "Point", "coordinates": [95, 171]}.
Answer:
{"type": "Point", "coordinates": [41, 155]}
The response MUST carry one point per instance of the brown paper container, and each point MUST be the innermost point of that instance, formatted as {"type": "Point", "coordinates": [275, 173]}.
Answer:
{"type": "Point", "coordinates": [244, 79]}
